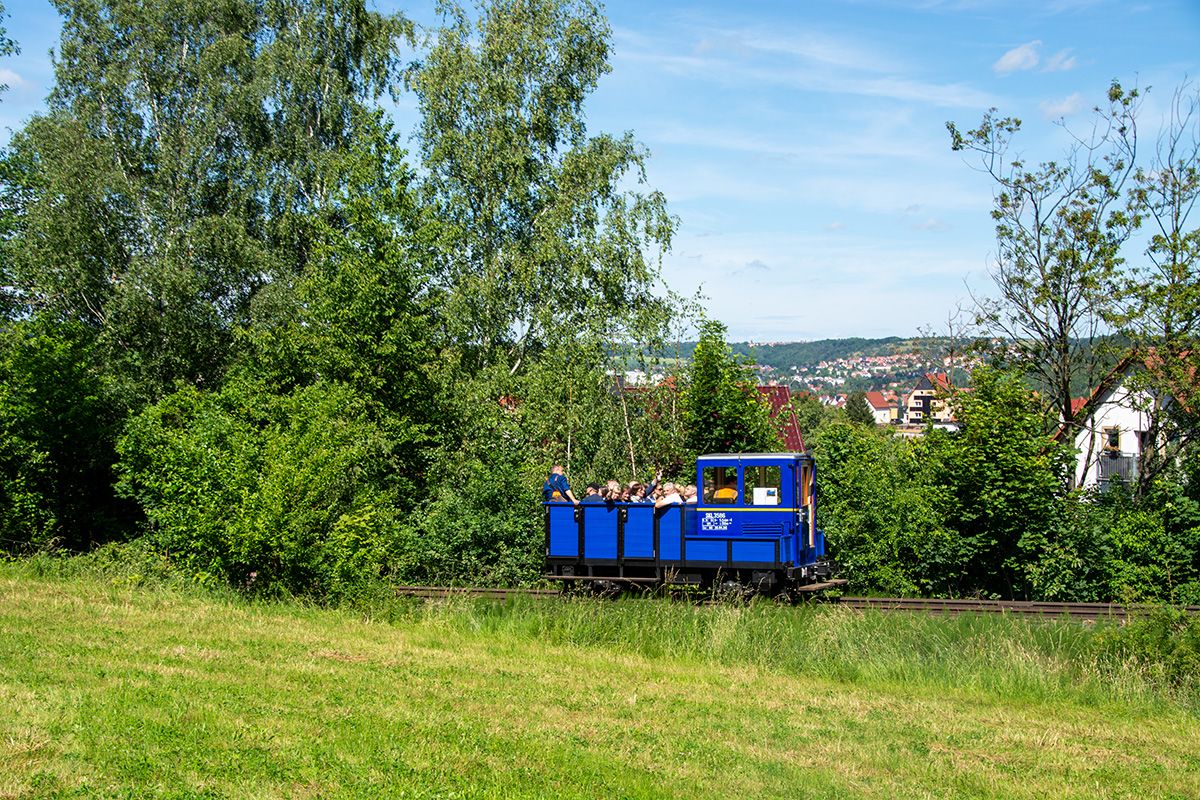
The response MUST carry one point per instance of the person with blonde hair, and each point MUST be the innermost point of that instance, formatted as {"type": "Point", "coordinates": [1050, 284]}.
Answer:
{"type": "Point", "coordinates": [556, 488]}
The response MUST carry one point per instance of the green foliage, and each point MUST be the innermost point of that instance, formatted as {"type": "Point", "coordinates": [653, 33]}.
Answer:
{"type": "Point", "coordinates": [811, 414]}
{"type": "Point", "coordinates": [296, 493]}
{"type": "Point", "coordinates": [1005, 477]}
{"type": "Point", "coordinates": [883, 519]}
{"type": "Point", "coordinates": [969, 512]}
{"type": "Point", "coordinates": [7, 46]}
{"type": "Point", "coordinates": [545, 242]}
{"type": "Point", "coordinates": [187, 153]}
{"type": "Point", "coordinates": [1166, 643]}
{"type": "Point", "coordinates": [722, 410]}
{"type": "Point", "coordinates": [57, 429]}
{"type": "Point", "coordinates": [1151, 544]}
{"type": "Point", "coordinates": [857, 410]}
{"type": "Point", "coordinates": [483, 524]}
{"type": "Point", "coordinates": [1060, 227]}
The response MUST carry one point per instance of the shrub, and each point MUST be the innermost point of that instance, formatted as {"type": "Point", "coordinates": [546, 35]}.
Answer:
{"type": "Point", "coordinates": [1166, 643]}
{"type": "Point", "coordinates": [58, 426]}
{"type": "Point", "coordinates": [273, 493]}
{"type": "Point", "coordinates": [879, 516]}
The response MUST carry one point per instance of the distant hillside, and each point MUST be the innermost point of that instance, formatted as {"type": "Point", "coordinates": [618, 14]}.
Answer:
{"type": "Point", "coordinates": [781, 360]}
{"type": "Point", "coordinates": [810, 353]}
{"type": "Point", "coordinates": [785, 355]}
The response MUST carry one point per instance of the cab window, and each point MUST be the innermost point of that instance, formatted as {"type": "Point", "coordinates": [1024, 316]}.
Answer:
{"type": "Point", "coordinates": [763, 486]}
{"type": "Point", "coordinates": [720, 484]}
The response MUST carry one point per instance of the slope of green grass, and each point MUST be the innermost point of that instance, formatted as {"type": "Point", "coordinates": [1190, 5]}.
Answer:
{"type": "Point", "coordinates": [117, 691]}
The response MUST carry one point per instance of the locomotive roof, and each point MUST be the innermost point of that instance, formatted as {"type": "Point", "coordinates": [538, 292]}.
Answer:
{"type": "Point", "coordinates": [776, 456]}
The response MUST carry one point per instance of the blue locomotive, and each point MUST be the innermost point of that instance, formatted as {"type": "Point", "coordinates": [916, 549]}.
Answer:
{"type": "Point", "coordinates": [754, 528]}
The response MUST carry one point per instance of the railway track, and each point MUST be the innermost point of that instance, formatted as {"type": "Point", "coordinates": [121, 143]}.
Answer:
{"type": "Point", "coordinates": [1080, 611]}
{"type": "Point", "coordinates": [467, 591]}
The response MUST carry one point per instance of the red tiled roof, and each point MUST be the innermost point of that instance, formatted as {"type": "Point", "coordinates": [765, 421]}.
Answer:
{"type": "Point", "coordinates": [779, 398]}
{"type": "Point", "coordinates": [1082, 407]}
{"type": "Point", "coordinates": [878, 401]}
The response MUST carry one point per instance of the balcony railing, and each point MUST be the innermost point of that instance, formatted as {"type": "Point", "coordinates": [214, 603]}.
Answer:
{"type": "Point", "coordinates": [1118, 467]}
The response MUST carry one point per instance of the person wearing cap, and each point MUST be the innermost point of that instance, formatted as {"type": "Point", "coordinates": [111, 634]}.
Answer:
{"type": "Point", "coordinates": [592, 494]}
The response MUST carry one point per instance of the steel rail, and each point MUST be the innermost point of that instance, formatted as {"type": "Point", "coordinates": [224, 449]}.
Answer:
{"type": "Point", "coordinates": [472, 591]}
{"type": "Point", "coordinates": [1079, 611]}
{"type": "Point", "coordinates": [1085, 611]}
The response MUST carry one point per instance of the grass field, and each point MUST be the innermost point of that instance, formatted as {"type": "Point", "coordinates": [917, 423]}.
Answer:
{"type": "Point", "coordinates": [122, 691]}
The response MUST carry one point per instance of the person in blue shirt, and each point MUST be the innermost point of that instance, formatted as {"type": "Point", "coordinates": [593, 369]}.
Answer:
{"type": "Point", "coordinates": [592, 494]}
{"type": "Point", "coordinates": [556, 486]}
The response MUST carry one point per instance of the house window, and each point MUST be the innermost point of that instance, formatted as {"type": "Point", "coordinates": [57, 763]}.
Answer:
{"type": "Point", "coordinates": [1112, 439]}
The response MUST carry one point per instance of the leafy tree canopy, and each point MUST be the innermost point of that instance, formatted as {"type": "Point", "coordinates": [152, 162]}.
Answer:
{"type": "Point", "coordinates": [548, 244]}
{"type": "Point", "coordinates": [722, 410]}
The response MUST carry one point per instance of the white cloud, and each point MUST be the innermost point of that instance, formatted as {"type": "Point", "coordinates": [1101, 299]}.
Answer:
{"type": "Point", "coordinates": [827, 66]}
{"type": "Point", "coordinates": [714, 181]}
{"type": "Point", "coordinates": [931, 224]}
{"type": "Point", "coordinates": [10, 78]}
{"type": "Point", "coordinates": [1054, 109]}
{"type": "Point", "coordinates": [876, 137]}
{"type": "Point", "coordinates": [1022, 57]}
{"type": "Point", "coordinates": [835, 226]}
{"type": "Point", "coordinates": [1060, 62]}
{"type": "Point", "coordinates": [818, 49]}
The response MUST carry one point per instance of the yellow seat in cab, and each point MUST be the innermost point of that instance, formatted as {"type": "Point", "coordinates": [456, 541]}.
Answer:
{"type": "Point", "coordinates": [726, 494]}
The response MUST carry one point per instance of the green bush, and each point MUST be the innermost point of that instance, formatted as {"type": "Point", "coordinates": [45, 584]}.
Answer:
{"type": "Point", "coordinates": [1112, 545]}
{"type": "Point", "coordinates": [1166, 643]}
{"type": "Point", "coordinates": [58, 425]}
{"type": "Point", "coordinates": [483, 526]}
{"type": "Point", "coordinates": [880, 517]}
{"type": "Point", "coordinates": [278, 494]}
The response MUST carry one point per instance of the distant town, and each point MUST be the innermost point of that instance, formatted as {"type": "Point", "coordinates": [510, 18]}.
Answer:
{"type": "Point", "coordinates": [905, 381]}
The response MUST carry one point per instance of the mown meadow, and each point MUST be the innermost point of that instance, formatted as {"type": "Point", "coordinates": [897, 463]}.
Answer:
{"type": "Point", "coordinates": [117, 685]}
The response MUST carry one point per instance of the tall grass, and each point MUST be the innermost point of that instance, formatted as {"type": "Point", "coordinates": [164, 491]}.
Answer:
{"type": "Point", "coordinates": [1151, 662]}
{"type": "Point", "coordinates": [1035, 659]}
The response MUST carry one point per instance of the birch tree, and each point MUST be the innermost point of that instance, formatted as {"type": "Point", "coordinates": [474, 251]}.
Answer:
{"type": "Point", "coordinates": [552, 233]}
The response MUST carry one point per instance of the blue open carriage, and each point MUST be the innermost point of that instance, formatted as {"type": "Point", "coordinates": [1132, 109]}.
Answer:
{"type": "Point", "coordinates": [754, 526]}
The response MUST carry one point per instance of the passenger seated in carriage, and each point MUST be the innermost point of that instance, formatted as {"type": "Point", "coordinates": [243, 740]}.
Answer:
{"type": "Point", "coordinates": [670, 496]}
{"type": "Point", "coordinates": [556, 488]}
{"type": "Point", "coordinates": [592, 494]}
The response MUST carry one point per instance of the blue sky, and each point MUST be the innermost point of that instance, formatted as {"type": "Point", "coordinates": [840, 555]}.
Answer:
{"type": "Point", "coordinates": [803, 145]}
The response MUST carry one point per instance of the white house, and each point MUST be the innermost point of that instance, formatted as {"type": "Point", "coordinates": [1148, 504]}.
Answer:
{"type": "Point", "coordinates": [882, 408]}
{"type": "Point", "coordinates": [1115, 426]}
